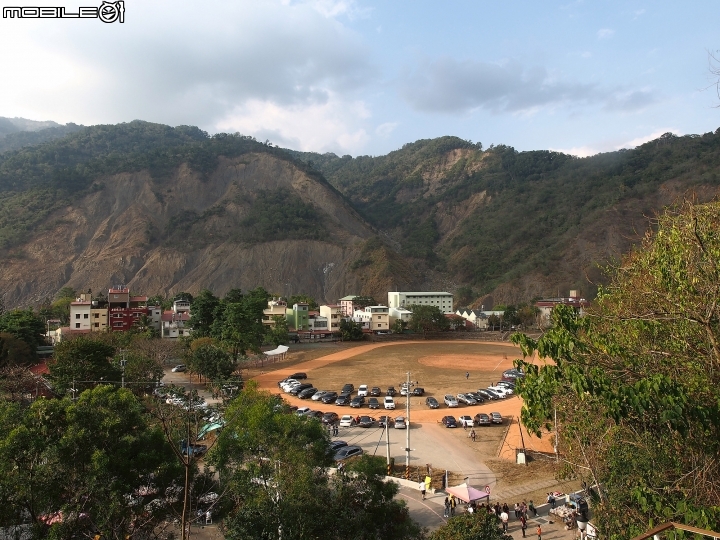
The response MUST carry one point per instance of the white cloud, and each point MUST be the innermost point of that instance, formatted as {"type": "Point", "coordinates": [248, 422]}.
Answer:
{"type": "Point", "coordinates": [384, 130]}
{"type": "Point", "coordinates": [579, 151]}
{"type": "Point", "coordinates": [637, 141]}
{"type": "Point", "coordinates": [605, 33]}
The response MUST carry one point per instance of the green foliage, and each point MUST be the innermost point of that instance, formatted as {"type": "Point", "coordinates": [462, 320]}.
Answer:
{"type": "Point", "coordinates": [361, 302]}
{"type": "Point", "coordinates": [350, 330]}
{"type": "Point", "coordinates": [278, 215]}
{"type": "Point", "coordinates": [204, 310]}
{"type": "Point", "coordinates": [211, 362]}
{"type": "Point", "coordinates": [24, 325]}
{"type": "Point", "coordinates": [635, 383]}
{"type": "Point", "coordinates": [141, 371]}
{"type": "Point", "coordinates": [399, 326]}
{"type": "Point", "coordinates": [427, 319]}
{"type": "Point", "coordinates": [14, 351]}
{"type": "Point", "coordinates": [239, 323]}
{"type": "Point", "coordinates": [303, 298]}
{"type": "Point", "coordinates": [278, 334]}
{"type": "Point", "coordinates": [83, 360]}
{"type": "Point", "coordinates": [476, 526]}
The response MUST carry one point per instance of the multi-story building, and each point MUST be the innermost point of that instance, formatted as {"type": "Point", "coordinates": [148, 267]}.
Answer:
{"type": "Point", "coordinates": [276, 308]}
{"type": "Point", "coordinates": [124, 310]}
{"type": "Point", "coordinates": [317, 323]}
{"type": "Point", "coordinates": [374, 318]}
{"type": "Point", "coordinates": [442, 300]}
{"type": "Point", "coordinates": [347, 306]}
{"type": "Point", "coordinates": [88, 315]}
{"type": "Point", "coordinates": [399, 313]}
{"type": "Point", "coordinates": [175, 321]}
{"type": "Point", "coordinates": [546, 306]}
{"type": "Point", "coordinates": [297, 317]}
{"type": "Point", "coordinates": [334, 314]}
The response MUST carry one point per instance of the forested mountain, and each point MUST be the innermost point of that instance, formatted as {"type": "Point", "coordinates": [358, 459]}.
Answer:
{"type": "Point", "coordinates": [167, 209]}
{"type": "Point", "coordinates": [521, 224]}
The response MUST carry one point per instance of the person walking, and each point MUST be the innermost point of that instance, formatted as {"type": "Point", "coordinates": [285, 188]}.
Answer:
{"type": "Point", "coordinates": [532, 508]}
{"type": "Point", "coordinates": [523, 524]}
{"type": "Point", "coordinates": [453, 504]}
{"type": "Point", "coordinates": [517, 510]}
{"type": "Point", "coordinates": [421, 487]}
{"type": "Point", "coordinates": [447, 508]}
{"type": "Point", "coordinates": [472, 435]}
{"type": "Point", "coordinates": [504, 518]}
{"type": "Point", "coordinates": [539, 532]}
{"type": "Point", "coordinates": [551, 500]}
{"type": "Point", "coordinates": [467, 375]}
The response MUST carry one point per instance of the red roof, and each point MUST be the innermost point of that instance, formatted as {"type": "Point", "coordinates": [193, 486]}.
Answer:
{"type": "Point", "coordinates": [40, 369]}
{"type": "Point", "coordinates": [119, 290]}
{"type": "Point", "coordinates": [170, 316]}
{"type": "Point", "coordinates": [80, 303]}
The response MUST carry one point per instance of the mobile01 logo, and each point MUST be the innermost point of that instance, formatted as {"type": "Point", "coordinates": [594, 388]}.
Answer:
{"type": "Point", "coordinates": [108, 12]}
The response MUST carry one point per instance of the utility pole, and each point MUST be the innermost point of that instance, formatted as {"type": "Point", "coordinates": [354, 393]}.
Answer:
{"type": "Point", "coordinates": [557, 456]}
{"type": "Point", "coordinates": [122, 363]}
{"type": "Point", "coordinates": [387, 441]}
{"type": "Point", "coordinates": [407, 426]}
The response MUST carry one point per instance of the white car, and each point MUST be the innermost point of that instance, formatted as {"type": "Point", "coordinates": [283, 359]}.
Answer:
{"type": "Point", "coordinates": [501, 390]}
{"type": "Point", "coordinates": [302, 411]}
{"type": "Point", "coordinates": [317, 396]}
{"type": "Point", "coordinates": [450, 400]}
{"type": "Point", "coordinates": [362, 390]}
{"type": "Point", "coordinates": [347, 421]}
{"type": "Point", "coordinates": [400, 423]}
{"type": "Point", "coordinates": [467, 400]}
{"type": "Point", "coordinates": [466, 421]}
{"type": "Point", "coordinates": [289, 386]}
{"type": "Point", "coordinates": [389, 402]}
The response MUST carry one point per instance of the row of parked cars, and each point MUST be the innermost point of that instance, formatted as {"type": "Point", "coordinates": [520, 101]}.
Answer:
{"type": "Point", "coordinates": [365, 395]}
{"type": "Point", "coordinates": [480, 419]}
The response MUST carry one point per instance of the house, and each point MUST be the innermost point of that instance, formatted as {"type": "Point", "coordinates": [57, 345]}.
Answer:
{"type": "Point", "coordinates": [276, 308]}
{"type": "Point", "coordinates": [125, 311]}
{"type": "Point", "coordinates": [477, 317]}
{"type": "Point", "coordinates": [334, 314]}
{"type": "Point", "coordinates": [88, 314]}
{"type": "Point", "coordinates": [317, 323]}
{"type": "Point", "coordinates": [297, 317]}
{"type": "Point", "coordinates": [546, 306]}
{"type": "Point", "coordinates": [399, 314]}
{"type": "Point", "coordinates": [347, 306]}
{"type": "Point", "coordinates": [374, 318]}
{"type": "Point", "coordinates": [442, 300]}
{"type": "Point", "coordinates": [175, 322]}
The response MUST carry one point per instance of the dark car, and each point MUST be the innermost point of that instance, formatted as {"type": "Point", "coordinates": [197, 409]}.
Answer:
{"type": "Point", "coordinates": [513, 374]}
{"type": "Point", "coordinates": [383, 420]}
{"type": "Point", "coordinates": [391, 391]}
{"type": "Point", "coordinates": [482, 419]}
{"type": "Point", "coordinates": [366, 421]}
{"type": "Point", "coordinates": [375, 391]}
{"type": "Point", "coordinates": [342, 399]}
{"type": "Point", "coordinates": [330, 418]}
{"type": "Point", "coordinates": [298, 376]}
{"type": "Point", "coordinates": [357, 401]}
{"type": "Point", "coordinates": [347, 452]}
{"type": "Point", "coordinates": [348, 387]}
{"type": "Point", "coordinates": [330, 397]}
{"type": "Point", "coordinates": [449, 421]}
{"type": "Point", "coordinates": [487, 395]}
{"type": "Point", "coordinates": [373, 403]}
{"type": "Point", "coordinates": [417, 391]}
{"type": "Point", "coordinates": [432, 402]}
{"type": "Point", "coordinates": [307, 393]}
{"type": "Point", "coordinates": [337, 445]}
{"type": "Point", "coordinates": [507, 384]}
{"type": "Point", "coordinates": [476, 396]}
{"type": "Point", "coordinates": [494, 394]}
{"type": "Point", "coordinates": [299, 388]}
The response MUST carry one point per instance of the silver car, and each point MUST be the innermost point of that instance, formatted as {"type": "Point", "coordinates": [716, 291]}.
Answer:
{"type": "Point", "coordinates": [450, 400]}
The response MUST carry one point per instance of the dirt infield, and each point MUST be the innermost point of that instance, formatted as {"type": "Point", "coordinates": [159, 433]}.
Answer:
{"type": "Point", "coordinates": [439, 367]}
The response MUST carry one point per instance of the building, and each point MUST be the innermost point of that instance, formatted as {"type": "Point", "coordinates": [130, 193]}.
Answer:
{"type": "Point", "coordinates": [546, 306]}
{"type": "Point", "coordinates": [175, 322]}
{"type": "Point", "coordinates": [442, 300]}
{"type": "Point", "coordinates": [334, 314]}
{"type": "Point", "coordinates": [88, 315]}
{"type": "Point", "coordinates": [374, 318]}
{"type": "Point", "coordinates": [347, 306]}
{"type": "Point", "coordinates": [126, 311]}
{"type": "Point", "coordinates": [276, 308]}
{"type": "Point", "coordinates": [399, 314]}
{"type": "Point", "coordinates": [317, 323]}
{"type": "Point", "coordinates": [297, 317]}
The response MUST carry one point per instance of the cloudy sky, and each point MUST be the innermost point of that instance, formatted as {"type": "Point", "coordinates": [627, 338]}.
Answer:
{"type": "Point", "coordinates": [365, 77]}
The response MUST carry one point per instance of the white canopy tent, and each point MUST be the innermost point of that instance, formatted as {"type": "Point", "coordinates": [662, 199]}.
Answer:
{"type": "Point", "coordinates": [279, 351]}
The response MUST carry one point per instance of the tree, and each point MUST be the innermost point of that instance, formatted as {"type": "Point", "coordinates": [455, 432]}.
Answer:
{"type": "Point", "coordinates": [303, 299]}
{"type": "Point", "coordinates": [493, 321]}
{"type": "Point", "coordinates": [141, 372]}
{"type": "Point", "coordinates": [14, 351]}
{"type": "Point", "coordinates": [635, 383]}
{"type": "Point", "coordinates": [82, 362]}
{"type": "Point", "coordinates": [464, 296]}
{"type": "Point", "coordinates": [240, 324]}
{"type": "Point", "coordinates": [211, 362]}
{"type": "Point", "coordinates": [273, 466]}
{"type": "Point", "coordinates": [427, 319]}
{"type": "Point", "coordinates": [527, 315]}
{"type": "Point", "coordinates": [350, 330]}
{"type": "Point", "coordinates": [509, 317]}
{"type": "Point", "coordinates": [361, 302]}
{"type": "Point", "coordinates": [399, 326]}
{"type": "Point", "coordinates": [278, 334]}
{"type": "Point", "coordinates": [24, 325]}
{"type": "Point", "coordinates": [204, 309]}
{"type": "Point", "coordinates": [480, 525]}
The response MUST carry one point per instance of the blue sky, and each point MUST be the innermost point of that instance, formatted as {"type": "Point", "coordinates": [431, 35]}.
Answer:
{"type": "Point", "coordinates": [363, 77]}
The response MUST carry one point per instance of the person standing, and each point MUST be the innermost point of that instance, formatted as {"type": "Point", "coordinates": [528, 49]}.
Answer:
{"type": "Point", "coordinates": [447, 507]}
{"type": "Point", "coordinates": [453, 504]}
{"type": "Point", "coordinates": [517, 510]}
{"type": "Point", "coordinates": [523, 524]}
{"type": "Point", "coordinates": [467, 375]}
{"type": "Point", "coordinates": [421, 487]}
{"type": "Point", "coordinates": [472, 435]}
{"type": "Point", "coordinates": [504, 518]}
{"type": "Point", "coordinates": [532, 508]}
{"type": "Point", "coordinates": [539, 532]}
{"type": "Point", "coordinates": [551, 500]}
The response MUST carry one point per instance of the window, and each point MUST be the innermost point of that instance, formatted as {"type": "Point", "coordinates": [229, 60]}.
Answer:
{"type": "Point", "coordinates": [86, 316]}
{"type": "Point", "coordinates": [117, 324]}
{"type": "Point", "coordinates": [77, 315]}
{"type": "Point", "coordinates": [77, 325]}
{"type": "Point", "coordinates": [379, 325]}
{"type": "Point", "coordinates": [97, 325]}
{"type": "Point", "coordinates": [97, 315]}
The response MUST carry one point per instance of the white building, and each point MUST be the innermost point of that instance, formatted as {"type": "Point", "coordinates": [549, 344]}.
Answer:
{"type": "Point", "coordinates": [374, 318]}
{"type": "Point", "coordinates": [334, 314]}
{"type": "Point", "coordinates": [399, 313]}
{"type": "Point", "coordinates": [442, 300]}
{"type": "Point", "coordinates": [175, 322]}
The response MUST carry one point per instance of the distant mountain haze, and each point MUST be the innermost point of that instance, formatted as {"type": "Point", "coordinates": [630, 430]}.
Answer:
{"type": "Point", "coordinates": [165, 209]}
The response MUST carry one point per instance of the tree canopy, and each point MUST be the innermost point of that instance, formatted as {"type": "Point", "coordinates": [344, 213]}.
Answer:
{"type": "Point", "coordinates": [636, 383]}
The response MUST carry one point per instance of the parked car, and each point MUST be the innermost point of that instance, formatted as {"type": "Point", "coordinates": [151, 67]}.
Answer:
{"type": "Point", "coordinates": [373, 403]}
{"type": "Point", "coordinates": [357, 402]}
{"type": "Point", "coordinates": [496, 418]}
{"type": "Point", "coordinates": [300, 411]}
{"type": "Point", "coordinates": [404, 390]}
{"type": "Point", "coordinates": [449, 421]}
{"type": "Point", "coordinates": [496, 395]}
{"type": "Point", "coordinates": [432, 403]}
{"type": "Point", "coordinates": [391, 391]}
{"type": "Point", "coordinates": [366, 421]}
{"type": "Point", "coordinates": [315, 414]}
{"type": "Point", "coordinates": [513, 373]}
{"type": "Point", "coordinates": [347, 452]}
{"type": "Point", "coordinates": [317, 396]}
{"type": "Point", "coordinates": [389, 402]}
{"type": "Point", "coordinates": [330, 418]}
{"type": "Point", "coordinates": [467, 400]}
{"type": "Point", "coordinates": [347, 421]}
{"type": "Point", "coordinates": [383, 420]}
{"type": "Point", "coordinates": [349, 387]}
{"type": "Point", "coordinates": [307, 393]}
{"type": "Point", "coordinates": [179, 368]}
{"type": "Point", "coordinates": [482, 419]}
{"type": "Point", "coordinates": [375, 391]}
{"type": "Point", "coordinates": [337, 445]}
{"type": "Point", "coordinates": [476, 396]}
{"type": "Point", "coordinates": [330, 397]}
{"type": "Point", "coordinates": [466, 421]}
{"type": "Point", "coordinates": [417, 391]}
{"type": "Point", "coordinates": [450, 400]}
{"type": "Point", "coordinates": [487, 395]}
{"type": "Point", "coordinates": [362, 390]}
{"type": "Point", "coordinates": [509, 390]}
{"type": "Point", "coordinates": [298, 376]}
{"type": "Point", "coordinates": [295, 390]}
{"type": "Point", "coordinates": [501, 391]}
{"type": "Point", "coordinates": [342, 399]}
{"type": "Point", "coordinates": [400, 423]}
{"type": "Point", "coordinates": [509, 384]}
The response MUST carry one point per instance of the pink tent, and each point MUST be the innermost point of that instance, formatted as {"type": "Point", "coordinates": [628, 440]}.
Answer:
{"type": "Point", "coordinates": [467, 493]}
